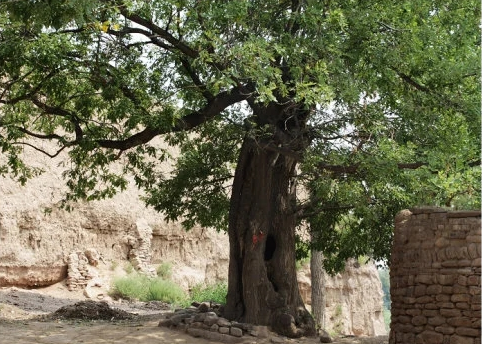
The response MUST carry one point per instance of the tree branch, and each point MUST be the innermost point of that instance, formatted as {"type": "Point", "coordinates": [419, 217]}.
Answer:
{"type": "Point", "coordinates": [409, 80]}
{"type": "Point", "coordinates": [195, 78]}
{"type": "Point", "coordinates": [28, 95]}
{"type": "Point", "coordinates": [194, 119]}
{"type": "Point", "coordinates": [152, 38]}
{"type": "Point", "coordinates": [42, 136]}
{"type": "Point", "coordinates": [351, 169]}
{"type": "Point", "coordinates": [165, 35]}
{"type": "Point", "coordinates": [54, 110]}
{"type": "Point", "coordinates": [41, 150]}
{"type": "Point", "coordinates": [311, 208]}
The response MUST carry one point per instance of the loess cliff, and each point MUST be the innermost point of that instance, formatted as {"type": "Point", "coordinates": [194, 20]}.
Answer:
{"type": "Point", "coordinates": [41, 244]}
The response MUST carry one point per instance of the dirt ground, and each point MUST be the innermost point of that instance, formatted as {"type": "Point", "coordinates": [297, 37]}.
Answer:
{"type": "Point", "coordinates": [48, 315]}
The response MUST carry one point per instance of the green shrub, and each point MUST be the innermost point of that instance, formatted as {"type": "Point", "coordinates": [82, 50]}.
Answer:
{"type": "Point", "coordinates": [300, 263]}
{"type": "Point", "coordinates": [142, 288]}
{"type": "Point", "coordinates": [166, 291]}
{"type": "Point", "coordinates": [130, 287]}
{"type": "Point", "coordinates": [214, 292]}
{"type": "Point", "coordinates": [385, 279]}
{"type": "Point", "coordinates": [139, 287]}
{"type": "Point", "coordinates": [164, 270]}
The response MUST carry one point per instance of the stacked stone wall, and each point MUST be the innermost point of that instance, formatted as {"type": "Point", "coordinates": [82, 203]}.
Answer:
{"type": "Point", "coordinates": [435, 277]}
{"type": "Point", "coordinates": [79, 272]}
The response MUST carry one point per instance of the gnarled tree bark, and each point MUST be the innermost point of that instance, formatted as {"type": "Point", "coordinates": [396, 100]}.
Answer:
{"type": "Point", "coordinates": [263, 287]}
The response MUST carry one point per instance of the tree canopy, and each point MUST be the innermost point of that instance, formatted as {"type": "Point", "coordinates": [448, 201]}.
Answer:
{"type": "Point", "coordinates": [386, 97]}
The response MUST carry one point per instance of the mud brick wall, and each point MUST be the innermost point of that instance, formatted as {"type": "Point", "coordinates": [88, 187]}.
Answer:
{"type": "Point", "coordinates": [435, 277]}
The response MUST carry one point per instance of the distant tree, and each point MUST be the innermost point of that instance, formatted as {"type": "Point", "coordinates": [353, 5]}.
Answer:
{"type": "Point", "coordinates": [318, 288]}
{"type": "Point", "coordinates": [368, 107]}
{"type": "Point", "coordinates": [385, 279]}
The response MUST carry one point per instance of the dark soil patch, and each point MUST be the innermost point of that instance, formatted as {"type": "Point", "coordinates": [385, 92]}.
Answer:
{"type": "Point", "coordinates": [91, 310]}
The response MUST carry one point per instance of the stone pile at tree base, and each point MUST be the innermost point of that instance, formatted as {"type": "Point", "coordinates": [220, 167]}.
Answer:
{"type": "Point", "coordinates": [204, 320]}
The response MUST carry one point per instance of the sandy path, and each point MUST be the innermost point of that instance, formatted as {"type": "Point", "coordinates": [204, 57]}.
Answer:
{"type": "Point", "coordinates": [71, 333]}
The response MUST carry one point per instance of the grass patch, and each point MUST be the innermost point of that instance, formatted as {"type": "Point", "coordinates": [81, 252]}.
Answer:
{"type": "Point", "coordinates": [164, 270]}
{"type": "Point", "coordinates": [139, 287]}
{"type": "Point", "coordinates": [164, 290]}
{"type": "Point", "coordinates": [142, 288]}
{"type": "Point", "coordinates": [131, 287]}
{"type": "Point", "coordinates": [214, 293]}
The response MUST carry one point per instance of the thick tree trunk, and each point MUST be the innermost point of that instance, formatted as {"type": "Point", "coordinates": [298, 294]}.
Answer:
{"type": "Point", "coordinates": [262, 285]}
{"type": "Point", "coordinates": [317, 288]}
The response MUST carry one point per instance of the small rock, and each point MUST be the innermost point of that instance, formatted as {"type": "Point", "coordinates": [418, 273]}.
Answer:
{"type": "Point", "coordinates": [197, 324]}
{"type": "Point", "coordinates": [223, 330]}
{"type": "Point", "coordinates": [213, 336]}
{"type": "Point", "coordinates": [178, 318]}
{"type": "Point", "coordinates": [204, 307]}
{"type": "Point", "coordinates": [224, 322]}
{"type": "Point", "coordinates": [242, 326]}
{"type": "Point", "coordinates": [236, 332]}
{"type": "Point", "coordinates": [214, 328]}
{"type": "Point", "coordinates": [277, 340]}
{"type": "Point", "coordinates": [92, 256]}
{"type": "Point", "coordinates": [199, 317]}
{"type": "Point", "coordinates": [325, 337]}
{"type": "Point", "coordinates": [194, 332]}
{"type": "Point", "coordinates": [210, 319]}
{"type": "Point", "coordinates": [165, 323]}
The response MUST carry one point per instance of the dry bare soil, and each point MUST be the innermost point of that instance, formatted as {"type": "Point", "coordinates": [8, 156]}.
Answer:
{"type": "Point", "coordinates": [49, 316]}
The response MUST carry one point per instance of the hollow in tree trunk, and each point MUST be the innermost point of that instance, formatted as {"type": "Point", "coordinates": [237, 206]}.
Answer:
{"type": "Point", "coordinates": [262, 284]}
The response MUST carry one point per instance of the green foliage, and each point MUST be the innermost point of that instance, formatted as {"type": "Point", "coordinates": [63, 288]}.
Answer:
{"type": "Point", "coordinates": [165, 290]}
{"type": "Point", "coordinates": [164, 270]}
{"type": "Point", "coordinates": [385, 279]}
{"type": "Point", "coordinates": [387, 303]}
{"type": "Point", "coordinates": [131, 287]}
{"type": "Point", "coordinates": [139, 287]}
{"type": "Point", "coordinates": [379, 102]}
{"type": "Point", "coordinates": [198, 192]}
{"type": "Point", "coordinates": [212, 293]}
{"type": "Point", "coordinates": [302, 262]}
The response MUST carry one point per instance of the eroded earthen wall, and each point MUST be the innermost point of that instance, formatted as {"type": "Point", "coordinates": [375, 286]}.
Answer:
{"type": "Point", "coordinates": [435, 277]}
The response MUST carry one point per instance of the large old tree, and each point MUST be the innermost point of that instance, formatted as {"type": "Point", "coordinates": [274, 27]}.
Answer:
{"type": "Point", "coordinates": [331, 115]}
